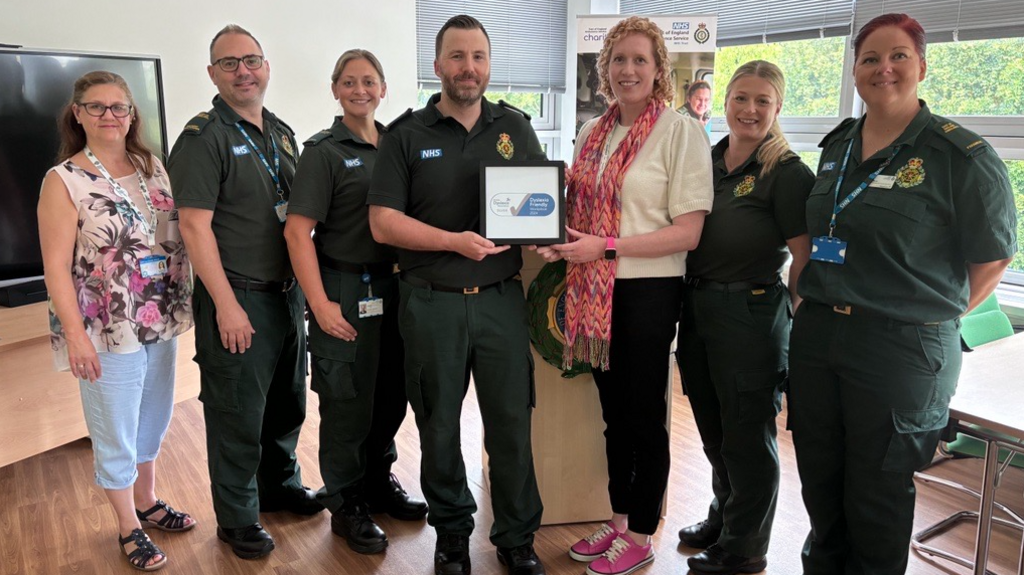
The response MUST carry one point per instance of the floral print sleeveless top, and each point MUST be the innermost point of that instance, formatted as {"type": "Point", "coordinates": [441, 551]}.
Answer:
{"type": "Point", "coordinates": [121, 309]}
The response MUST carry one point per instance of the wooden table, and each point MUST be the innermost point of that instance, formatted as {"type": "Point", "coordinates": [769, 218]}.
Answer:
{"type": "Point", "coordinates": [990, 394]}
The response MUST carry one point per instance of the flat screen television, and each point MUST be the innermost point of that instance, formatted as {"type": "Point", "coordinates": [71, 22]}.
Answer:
{"type": "Point", "coordinates": [34, 86]}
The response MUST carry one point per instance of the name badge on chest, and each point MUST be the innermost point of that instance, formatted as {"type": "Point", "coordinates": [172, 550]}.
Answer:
{"type": "Point", "coordinates": [153, 266]}
{"type": "Point", "coordinates": [884, 182]}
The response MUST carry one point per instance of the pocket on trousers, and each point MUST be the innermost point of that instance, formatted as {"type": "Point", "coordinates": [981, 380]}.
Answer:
{"type": "Point", "coordinates": [915, 436]}
{"type": "Point", "coordinates": [219, 380]}
{"type": "Point", "coordinates": [414, 389]}
{"type": "Point", "coordinates": [759, 394]}
{"type": "Point", "coordinates": [533, 379]}
{"type": "Point", "coordinates": [333, 365]}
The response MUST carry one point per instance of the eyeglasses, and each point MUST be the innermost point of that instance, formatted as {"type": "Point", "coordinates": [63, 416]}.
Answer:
{"type": "Point", "coordinates": [96, 109]}
{"type": "Point", "coordinates": [230, 63]}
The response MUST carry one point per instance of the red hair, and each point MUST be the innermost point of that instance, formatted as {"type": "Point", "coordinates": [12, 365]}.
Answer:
{"type": "Point", "coordinates": [902, 21]}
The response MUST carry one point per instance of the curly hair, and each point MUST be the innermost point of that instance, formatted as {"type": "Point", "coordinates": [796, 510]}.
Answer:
{"type": "Point", "coordinates": [663, 88]}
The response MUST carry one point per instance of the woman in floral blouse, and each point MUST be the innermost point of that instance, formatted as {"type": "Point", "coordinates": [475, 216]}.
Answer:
{"type": "Point", "coordinates": [120, 292]}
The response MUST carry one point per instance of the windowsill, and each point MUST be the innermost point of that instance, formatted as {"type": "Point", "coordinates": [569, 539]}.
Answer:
{"type": "Point", "coordinates": [1011, 300]}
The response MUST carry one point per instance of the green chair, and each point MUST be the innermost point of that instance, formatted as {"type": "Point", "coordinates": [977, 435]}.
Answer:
{"type": "Point", "coordinates": [985, 324]}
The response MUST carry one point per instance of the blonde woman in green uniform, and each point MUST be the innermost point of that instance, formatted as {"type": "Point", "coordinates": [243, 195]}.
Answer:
{"type": "Point", "coordinates": [734, 330]}
{"type": "Point", "coordinates": [912, 223]}
{"type": "Point", "coordinates": [352, 291]}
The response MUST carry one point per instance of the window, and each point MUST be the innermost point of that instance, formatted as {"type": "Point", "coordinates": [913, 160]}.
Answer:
{"type": "Point", "coordinates": [540, 107]}
{"type": "Point", "coordinates": [813, 71]}
{"type": "Point", "coordinates": [976, 78]}
{"type": "Point", "coordinates": [1015, 274]}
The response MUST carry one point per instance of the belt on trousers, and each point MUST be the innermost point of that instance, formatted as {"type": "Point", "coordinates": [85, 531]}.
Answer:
{"type": "Point", "coordinates": [861, 311]}
{"type": "Point", "coordinates": [422, 283]}
{"type": "Point", "coordinates": [731, 287]}
{"type": "Point", "coordinates": [256, 285]}
{"type": "Point", "coordinates": [380, 269]}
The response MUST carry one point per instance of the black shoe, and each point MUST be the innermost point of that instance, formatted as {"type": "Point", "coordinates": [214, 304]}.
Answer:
{"type": "Point", "coordinates": [451, 554]}
{"type": "Point", "coordinates": [352, 522]}
{"type": "Point", "coordinates": [700, 536]}
{"type": "Point", "coordinates": [719, 561]}
{"type": "Point", "coordinates": [300, 501]}
{"type": "Point", "coordinates": [247, 542]}
{"type": "Point", "coordinates": [390, 498]}
{"type": "Point", "coordinates": [520, 560]}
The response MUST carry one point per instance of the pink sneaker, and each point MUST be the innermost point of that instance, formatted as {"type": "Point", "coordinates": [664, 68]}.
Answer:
{"type": "Point", "coordinates": [594, 545]}
{"type": "Point", "coordinates": [623, 557]}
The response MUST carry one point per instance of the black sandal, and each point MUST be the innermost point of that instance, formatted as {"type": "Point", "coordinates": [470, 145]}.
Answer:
{"type": "Point", "coordinates": [171, 521]}
{"type": "Point", "coordinates": [144, 551]}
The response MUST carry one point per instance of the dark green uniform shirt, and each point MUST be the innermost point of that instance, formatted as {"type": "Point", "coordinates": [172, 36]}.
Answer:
{"type": "Point", "coordinates": [429, 168]}
{"type": "Point", "coordinates": [330, 187]}
{"type": "Point", "coordinates": [744, 236]}
{"type": "Point", "coordinates": [909, 245]}
{"type": "Point", "coordinates": [212, 168]}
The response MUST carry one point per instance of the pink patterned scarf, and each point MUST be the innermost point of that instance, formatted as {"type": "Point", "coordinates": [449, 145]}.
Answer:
{"type": "Point", "coordinates": [595, 207]}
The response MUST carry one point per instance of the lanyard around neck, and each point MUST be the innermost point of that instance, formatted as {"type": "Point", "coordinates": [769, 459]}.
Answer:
{"type": "Point", "coordinates": [839, 206]}
{"type": "Point", "coordinates": [148, 226]}
{"type": "Point", "coordinates": [276, 170]}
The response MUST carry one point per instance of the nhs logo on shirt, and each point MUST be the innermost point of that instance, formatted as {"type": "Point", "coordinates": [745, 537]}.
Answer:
{"type": "Point", "coordinates": [828, 167]}
{"type": "Point", "coordinates": [353, 163]}
{"type": "Point", "coordinates": [240, 150]}
{"type": "Point", "coordinates": [430, 154]}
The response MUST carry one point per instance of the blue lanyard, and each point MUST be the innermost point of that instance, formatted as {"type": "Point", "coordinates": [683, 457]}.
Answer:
{"type": "Point", "coordinates": [840, 206]}
{"type": "Point", "coordinates": [259, 153]}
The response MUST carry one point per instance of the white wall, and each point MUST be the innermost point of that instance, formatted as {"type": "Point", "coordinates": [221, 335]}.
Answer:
{"type": "Point", "coordinates": [302, 39]}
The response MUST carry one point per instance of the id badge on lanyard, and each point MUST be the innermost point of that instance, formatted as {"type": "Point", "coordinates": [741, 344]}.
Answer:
{"type": "Point", "coordinates": [830, 249]}
{"type": "Point", "coordinates": [370, 306]}
{"type": "Point", "coordinates": [151, 266]}
{"type": "Point", "coordinates": [281, 205]}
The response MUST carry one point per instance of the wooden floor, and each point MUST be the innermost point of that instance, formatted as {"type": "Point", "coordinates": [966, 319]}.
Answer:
{"type": "Point", "coordinates": [55, 520]}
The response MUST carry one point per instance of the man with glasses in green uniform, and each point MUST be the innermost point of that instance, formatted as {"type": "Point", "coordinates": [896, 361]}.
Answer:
{"type": "Point", "coordinates": [462, 308]}
{"type": "Point", "coordinates": [231, 171]}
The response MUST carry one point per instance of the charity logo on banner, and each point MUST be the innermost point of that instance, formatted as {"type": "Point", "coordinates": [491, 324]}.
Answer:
{"type": "Point", "coordinates": [690, 40]}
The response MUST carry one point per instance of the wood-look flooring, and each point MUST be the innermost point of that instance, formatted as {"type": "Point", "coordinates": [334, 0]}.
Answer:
{"type": "Point", "coordinates": [55, 520]}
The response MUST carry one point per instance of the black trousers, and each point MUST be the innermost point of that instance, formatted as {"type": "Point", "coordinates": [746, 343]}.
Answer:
{"type": "Point", "coordinates": [633, 394]}
{"type": "Point", "coordinates": [361, 385]}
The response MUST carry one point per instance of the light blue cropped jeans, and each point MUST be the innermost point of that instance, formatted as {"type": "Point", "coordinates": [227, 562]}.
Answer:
{"type": "Point", "coordinates": [128, 409]}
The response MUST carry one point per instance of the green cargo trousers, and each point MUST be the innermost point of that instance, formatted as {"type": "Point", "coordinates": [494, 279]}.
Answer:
{"type": "Point", "coordinates": [869, 397]}
{"type": "Point", "coordinates": [254, 403]}
{"type": "Point", "coordinates": [732, 358]}
{"type": "Point", "coordinates": [449, 336]}
{"type": "Point", "coordinates": [346, 376]}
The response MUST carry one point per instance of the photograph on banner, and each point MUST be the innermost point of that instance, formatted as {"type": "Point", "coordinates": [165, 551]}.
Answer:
{"type": "Point", "coordinates": [690, 40]}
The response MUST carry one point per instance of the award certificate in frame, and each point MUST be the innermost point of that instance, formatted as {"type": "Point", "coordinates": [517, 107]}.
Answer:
{"type": "Point", "coordinates": [522, 202]}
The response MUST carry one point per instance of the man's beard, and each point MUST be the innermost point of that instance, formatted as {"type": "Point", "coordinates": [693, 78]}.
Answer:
{"type": "Point", "coordinates": [463, 96]}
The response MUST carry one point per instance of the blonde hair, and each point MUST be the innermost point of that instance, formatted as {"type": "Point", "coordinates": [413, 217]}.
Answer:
{"type": "Point", "coordinates": [776, 147]}
{"type": "Point", "coordinates": [663, 88]}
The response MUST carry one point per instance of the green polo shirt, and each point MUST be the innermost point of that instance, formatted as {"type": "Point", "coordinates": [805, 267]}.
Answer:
{"type": "Point", "coordinates": [908, 246]}
{"type": "Point", "coordinates": [429, 168]}
{"type": "Point", "coordinates": [213, 168]}
{"type": "Point", "coordinates": [744, 236]}
{"type": "Point", "coordinates": [330, 187]}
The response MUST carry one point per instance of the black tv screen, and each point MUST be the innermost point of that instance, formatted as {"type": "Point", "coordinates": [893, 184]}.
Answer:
{"type": "Point", "coordinates": [34, 86]}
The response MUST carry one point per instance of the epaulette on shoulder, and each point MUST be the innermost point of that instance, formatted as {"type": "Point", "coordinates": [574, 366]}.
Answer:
{"type": "Point", "coordinates": [508, 106]}
{"type": "Point", "coordinates": [286, 126]}
{"type": "Point", "coordinates": [401, 118]}
{"type": "Point", "coordinates": [197, 124]}
{"type": "Point", "coordinates": [317, 138]}
{"type": "Point", "coordinates": [842, 127]}
{"type": "Point", "coordinates": [968, 142]}
{"type": "Point", "coordinates": [789, 157]}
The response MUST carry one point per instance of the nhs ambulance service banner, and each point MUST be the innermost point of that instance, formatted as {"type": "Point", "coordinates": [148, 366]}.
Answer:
{"type": "Point", "coordinates": [691, 45]}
